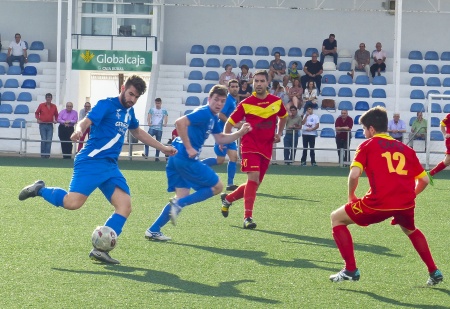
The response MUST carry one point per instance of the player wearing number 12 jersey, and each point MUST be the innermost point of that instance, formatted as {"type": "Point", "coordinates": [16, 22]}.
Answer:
{"type": "Point", "coordinates": [395, 177]}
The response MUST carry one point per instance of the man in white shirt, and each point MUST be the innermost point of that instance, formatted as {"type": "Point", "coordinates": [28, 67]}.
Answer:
{"type": "Point", "coordinates": [310, 125]}
{"type": "Point", "coordinates": [379, 59]}
{"type": "Point", "coordinates": [17, 51]}
{"type": "Point", "coordinates": [157, 119]}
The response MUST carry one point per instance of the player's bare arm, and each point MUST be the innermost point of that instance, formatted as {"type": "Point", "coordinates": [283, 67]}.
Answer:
{"type": "Point", "coordinates": [182, 125]}
{"type": "Point", "coordinates": [353, 179]}
{"type": "Point", "coordinates": [152, 142]}
{"type": "Point", "coordinates": [226, 138]}
{"type": "Point", "coordinates": [82, 126]}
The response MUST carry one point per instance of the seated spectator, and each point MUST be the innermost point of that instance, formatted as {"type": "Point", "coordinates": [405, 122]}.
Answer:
{"type": "Point", "coordinates": [379, 58]}
{"type": "Point", "coordinates": [418, 130]}
{"type": "Point", "coordinates": [313, 70]}
{"type": "Point", "coordinates": [361, 61]}
{"type": "Point", "coordinates": [296, 94]}
{"type": "Point", "coordinates": [17, 51]}
{"type": "Point", "coordinates": [310, 97]}
{"type": "Point", "coordinates": [245, 74]}
{"type": "Point", "coordinates": [277, 68]}
{"type": "Point", "coordinates": [278, 90]}
{"type": "Point", "coordinates": [396, 127]}
{"type": "Point", "coordinates": [329, 48]}
{"type": "Point", "coordinates": [227, 75]}
{"type": "Point", "coordinates": [292, 74]}
{"type": "Point", "coordinates": [245, 90]}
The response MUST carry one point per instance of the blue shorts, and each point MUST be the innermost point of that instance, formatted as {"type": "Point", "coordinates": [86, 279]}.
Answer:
{"type": "Point", "coordinates": [104, 174]}
{"type": "Point", "coordinates": [183, 173]}
{"type": "Point", "coordinates": [225, 148]}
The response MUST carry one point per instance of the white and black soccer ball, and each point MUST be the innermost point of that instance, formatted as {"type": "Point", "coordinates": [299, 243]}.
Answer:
{"type": "Point", "coordinates": [104, 238]}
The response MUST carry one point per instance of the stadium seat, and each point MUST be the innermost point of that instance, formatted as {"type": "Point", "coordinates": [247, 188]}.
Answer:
{"type": "Point", "coordinates": [433, 92]}
{"type": "Point", "coordinates": [213, 50]}
{"type": "Point", "coordinates": [232, 62]}
{"type": "Point", "coordinates": [445, 56]}
{"type": "Point", "coordinates": [8, 96]}
{"type": "Point", "coordinates": [379, 93]}
{"type": "Point", "coordinates": [435, 122]}
{"type": "Point", "coordinates": [19, 123]}
{"type": "Point", "coordinates": [345, 53]}
{"type": "Point", "coordinates": [295, 52]}
{"type": "Point", "coordinates": [212, 63]}
{"type": "Point", "coordinates": [3, 57]}
{"type": "Point", "coordinates": [25, 97]}
{"type": "Point", "coordinates": [247, 62]}
{"type": "Point", "coordinates": [11, 83]}
{"type": "Point", "coordinates": [279, 50]}
{"type": "Point", "coordinates": [30, 70]}
{"type": "Point", "coordinates": [311, 50]}
{"type": "Point", "coordinates": [192, 101]}
{"type": "Point", "coordinates": [262, 51]}
{"type": "Point", "coordinates": [415, 68]}
{"type": "Point", "coordinates": [2, 70]}
{"type": "Point", "coordinates": [205, 101]}
{"type": "Point", "coordinates": [445, 69]}
{"type": "Point", "coordinates": [431, 55]}
{"type": "Point", "coordinates": [34, 58]}
{"type": "Point", "coordinates": [299, 64]}
{"type": "Point", "coordinates": [382, 104]}
{"type": "Point", "coordinates": [446, 108]}
{"type": "Point", "coordinates": [197, 49]}
{"type": "Point", "coordinates": [415, 55]}
{"type": "Point", "coordinates": [436, 135]}
{"type": "Point", "coordinates": [345, 79]}
{"type": "Point", "coordinates": [362, 93]}
{"type": "Point", "coordinates": [356, 120]}
{"type": "Point", "coordinates": [37, 45]}
{"type": "Point", "coordinates": [6, 108]}
{"type": "Point", "coordinates": [359, 133]}
{"type": "Point", "coordinates": [417, 81]}
{"type": "Point", "coordinates": [329, 66]}
{"type": "Point", "coordinates": [446, 82]}
{"type": "Point", "coordinates": [208, 87]}
{"type": "Point", "coordinates": [29, 84]}
{"type": "Point", "coordinates": [417, 94]}
{"type": "Point", "coordinates": [327, 133]}
{"type": "Point", "coordinates": [436, 108]}
{"type": "Point", "coordinates": [262, 64]}
{"type": "Point", "coordinates": [328, 79]}
{"type": "Point", "coordinates": [14, 70]}
{"type": "Point", "coordinates": [431, 69]}
{"type": "Point", "coordinates": [345, 105]}
{"type": "Point", "coordinates": [379, 80]}
{"type": "Point", "coordinates": [433, 82]}
{"type": "Point", "coordinates": [4, 123]}
{"type": "Point", "coordinates": [328, 92]}
{"type": "Point", "coordinates": [417, 107]}
{"type": "Point", "coordinates": [361, 106]}
{"type": "Point", "coordinates": [326, 118]}
{"type": "Point", "coordinates": [194, 88]}
{"type": "Point", "coordinates": [246, 50]}
{"type": "Point", "coordinates": [229, 50]}
{"type": "Point", "coordinates": [411, 120]}
{"type": "Point", "coordinates": [345, 92]}
{"type": "Point", "coordinates": [212, 75]}
{"type": "Point", "coordinates": [345, 66]}
{"type": "Point", "coordinates": [21, 109]}
{"type": "Point", "coordinates": [197, 63]}
{"type": "Point", "coordinates": [195, 75]}
{"type": "Point", "coordinates": [447, 92]}
{"type": "Point", "coordinates": [362, 80]}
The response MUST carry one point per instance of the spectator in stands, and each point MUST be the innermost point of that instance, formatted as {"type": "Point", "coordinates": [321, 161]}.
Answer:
{"type": "Point", "coordinates": [329, 48]}
{"type": "Point", "coordinates": [17, 51]}
{"type": "Point", "coordinates": [157, 119]}
{"type": "Point", "coordinates": [379, 58]}
{"type": "Point", "coordinates": [292, 74]}
{"type": "Point", "coordinates": [277, 69]}
{"type": "Point", "coordinates": [310, 125]}
{"type": "Point", "coordinates": [245, 74]}
{"type": "Point", "coordinates": [313, 70]}
{"type": "Point", "coordinates": [67, 118]}
{"type": "Point", "coordinates": [343, 126]}
{"type": "Point", "coordinates": [396, 127]}
{"type": "Point", "coordinates": [278, 90]}
{"type": "Point", "coordinates": [361, 61]}
{"type": "Point", "coordinates": [310, 97]}
{"type": "Point", "coordinates": [226, 76]}
{"type": "Point", "coordinates": [81, 115]}
{"type": "Point", "coordinates": [296, 94]}
{"type": "Point", "coordinates": [245, 90]}
{"type": "Point", "coordinates": [418, 130]}
{"type": "Point", "coordinates": [290, 139]}
{"type": "Point", "coordinates": [46, 115]}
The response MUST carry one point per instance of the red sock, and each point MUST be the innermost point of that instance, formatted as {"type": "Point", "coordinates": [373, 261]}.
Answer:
{"type": "Point", "coordinates": [421, 245]}
{"type": "Point", "coordinates": [438, 168]}
{"type": "Point", "coordinates": [236, 194]}
{"type": "Point", "coordinates": [249, 198]}
{"type": "Point", "coordinates": [344, 242]}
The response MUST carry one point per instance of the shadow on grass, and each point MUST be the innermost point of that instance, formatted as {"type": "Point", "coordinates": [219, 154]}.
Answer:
{"type": "Point", "coordinates": [395, 302]}
{"type": "Point", "coordinates": [285, 197]}
{"type": "Point", "coordinates": [174, 283]}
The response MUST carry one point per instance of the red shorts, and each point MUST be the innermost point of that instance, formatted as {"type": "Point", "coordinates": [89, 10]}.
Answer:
{"type": "Point", "coordinates": [254, 162]}
{"type": "Point", "coordinates": [447, 144]}
{"type": "Point", "coordinates": [364, 216]}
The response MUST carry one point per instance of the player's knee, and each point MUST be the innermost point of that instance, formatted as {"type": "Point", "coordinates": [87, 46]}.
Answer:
{"type": "Point", "coordinates": [124, 210]}
{"type": "Point", "coordinates": [218, 188]}
{"type": "Point", "coordinates": [220, 160]}
{"type": "Point", "coordinates": [72, 204]}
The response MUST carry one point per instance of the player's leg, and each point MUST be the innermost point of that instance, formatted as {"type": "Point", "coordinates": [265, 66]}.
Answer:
{"type": "Point", "coordinates": [231, 167]}
{"type": "Point", "coordinates": [443, 164]}
{"type": "Point", "coordinates": [220, 152]}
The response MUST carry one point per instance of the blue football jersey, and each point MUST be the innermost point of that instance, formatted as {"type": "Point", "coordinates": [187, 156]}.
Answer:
{"type": "Point", "coordinates": [228, 108]}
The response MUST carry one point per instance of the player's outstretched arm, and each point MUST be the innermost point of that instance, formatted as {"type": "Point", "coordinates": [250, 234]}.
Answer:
{"type": "Point", "coordinates": [81, 127]}
{"type": "Point", "coordinates": [226, 138]}
{"type": "Point", "coordinates": [150, 141]}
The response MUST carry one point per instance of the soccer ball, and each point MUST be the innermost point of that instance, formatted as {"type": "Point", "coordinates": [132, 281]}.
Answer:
{"type": "Point", "coordinates": [104, 238]}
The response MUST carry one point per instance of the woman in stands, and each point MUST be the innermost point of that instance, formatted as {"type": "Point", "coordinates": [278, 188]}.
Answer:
{"type": "Point", "coordinates": [245, 75]}
{"type": "Point", "coordinates": [227, 75]}
{"type": "Point", "coordinates": [310, 96]}
{"type": "Point", "coordinates": [296, 93]}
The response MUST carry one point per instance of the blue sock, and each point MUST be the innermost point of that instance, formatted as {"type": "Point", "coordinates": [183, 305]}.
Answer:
{"type": "Point", "coordinates": [116, 222]}
{"type": "Point", "coordinates": [210, 161]}
{"type": "Point", "coordinates": [162, 220]}
{"type": "Point", "coordinates": [198, 196]}
{"type": "Point", "coordinates": [53, 195]}
{"type": "Point", "coordinates": [231, 169]}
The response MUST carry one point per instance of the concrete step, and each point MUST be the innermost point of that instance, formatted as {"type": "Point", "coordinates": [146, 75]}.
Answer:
{"type": "Point", "coordinates": [168, 94]}
{"type": "Point", "coordinates": [170, 87]}
{"type": "Point", "coordinates": [172, 101]}
{"type": "Point", "coordinates": [171, 74]}
{"type": "Point", "coordinates": [171, 81]}
{"type": "Point", "coordinates": [172, 68]}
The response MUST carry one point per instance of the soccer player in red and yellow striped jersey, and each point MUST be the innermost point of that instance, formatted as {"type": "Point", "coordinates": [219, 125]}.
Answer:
{"type": "Point", "coordinates": [445, 129]}
{"type": "Point", "coordinates": [265, 113]}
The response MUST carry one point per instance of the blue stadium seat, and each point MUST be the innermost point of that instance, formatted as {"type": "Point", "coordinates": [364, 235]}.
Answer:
{"type": "Point", "coordinates": [34, 58]}
{"type": "Point", "coordinates": [345, 105]}
{"type": "Point", "coordinates": [362, 93]}
{"type": "Point", "coordinates": [2, 70]}
{"type": "Point", "coordinates": [345, 66]}
{"type": "Point", "coordinates": [299, 65]}
{"type": "Point", "coordinates": [327, 133]}
{"type": "Point", "coordinates": [433, 82]}
{"type": "Point", "coordinates": [205, 101]}
{"type": "Point", "coordinates": [362, 80]}
{"type": "Point", "coordinates": [433, 92]}
{"type": "Point", "coordinates": [19, 123]}
{"type": "Point", "coordinates": [416, 107]}
{"type": "Point", "coordinates": [311, 50]}
{"type": "Point", "coordinates": [229, 61]}
{"type": "Point", "coordinates": [359, 133]}
{"type": "Point", "coordinates": [445, 56]}
{"type": "Point", "coordinates": [197, 63]}
{"type": "Point", "coordinates": [356, 120]}
{"type": "Point", "coordinates": [262, 64]}
{"type": "Point", "coordinates": [195, 75]}
{"type": "Point", "coordinates": [4, 123]}
{"type": "Point", "coordinates": [328, 92]}
{"type": "Point", "coordinates": [262, 51]}
{"type": "Point", "coordinates": [194, 88]}
{"type": "Point", "coordinates": [382, 104]}
{"type": "Point", "coordinates": [446, 82]}
{"type": "Point", "coordinates": [431, 69]}
{"type": "Point", "coordinates": [11, 83]}
{"type": "Point", "coordinates": [6, 108]}
{"type": "Point", "coordinates": [379, 93]}
{"type": "Point", "coordinates": [212, 75]}
{"type": "Point", "coordinates": [212, 63]}
{"type": "Point", "coordinates": [192, 101]}
{"type": "Point", "coordinates": [435, 122]}
{"type": "Point", "coordinates": [411, 120]}
{"type": "Point", "coordinates": [213, 50]}
{"type": "Point", "coordinates": [8, 96]}
{"type": "Point", "coordinates": [361, 106]}
{"type": "Point", "coordinates": [431, 55]}
{"type": "Point", "coordinates": [197, 49]}
{"type": "Point", "coordinates": [446, 108]}
{"type": "Point", "coordinates": [25, 97]}
{"type": "Point", "coordinates": [188, 111]}
{"type": "Point", "coordinates": [295, 52]}
{"type": "Point", "coordinates": [417, 81]}
{"type": "Point", "coordinates": [436, 108]}
{"type": "Point", "coordinates": [415, 68]}
{"type": "Point", "coordinates": [247, 62]}
{"type": "Point", "coordinates": [229, 50]}
{"type": "Point", "coordinates": [417, 94]}
{"type": "Point", "coordinates": [379, 80]}
{"type": "Point", "coordinates": [21, 109]}
{"type": "Point", "coordinates": [445, 69]}
{"type": "Point", "coordinates": [415, 55]}
{"type": "Point", "coordinates": [246, 50]}
{"type": "Point", "coordinates": [30, 70]}
{"type": "Point", "coordinates": [328, 79]}
{"type": "Point", "coordinates": [278, 49]}
{"type": "Point", "coordinates": [14, 70]}
{"type": "Point", "coordinates": [345, 79]}
{"type": "Point", "coordinates": [208, 87]}
{"type": "Point", "coordinates": [37, 45]}
{"type": "Point", "coordinates": [345, 92]}
{"type": "Point", "coordinates": [447, 92]}
{"type": "Point", "coordinates": [436, 135]}
{"type": "Point", "coordinates": [29, 84]}
{"type": "Point", "coordinates": [326, 118]}
{"type": "Point", "coordinates": [3, 57]}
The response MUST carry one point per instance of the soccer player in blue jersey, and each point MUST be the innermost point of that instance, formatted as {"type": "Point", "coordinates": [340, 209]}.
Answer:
{"type": "Point", "coordinates": [228, 149]}
{"type": "Point", "coordinates": [184, 170]}
{"type": "Point", "coordinates": [96, 166]}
